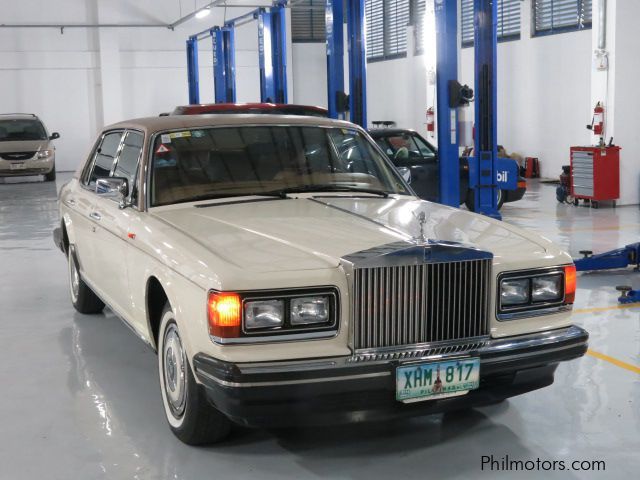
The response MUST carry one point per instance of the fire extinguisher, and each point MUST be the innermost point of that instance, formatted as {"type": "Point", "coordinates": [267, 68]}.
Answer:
{"type": "Point", "coordinates": [431, 121]}
{"type": "Point", "coordinates": [597, 124]}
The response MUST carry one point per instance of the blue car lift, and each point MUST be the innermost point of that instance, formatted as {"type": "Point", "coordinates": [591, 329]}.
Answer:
{"type": "Point", "coordinates": [338, 101]}
{"type": "Point", "coordinates": [272, 50]}
{"type": "Point", "coordinates": [272, 43]}
{"type": "Point", "coordinates": [192, 70]}
{"type": "Point", "coordinates": [482, 167]}
{"type": "Point", "coordinates": [224, 64]}
{"type": "Point", "coordinates": [446, 15]}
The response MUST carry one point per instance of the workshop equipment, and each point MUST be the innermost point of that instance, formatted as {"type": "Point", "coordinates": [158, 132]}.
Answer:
{"type": "Point", "coordinates": [595, 174]}
{"type": "Point", "coordinates": [531, 167]}
{"type": "Point", "coordinates": [619, 258]}
{"type": "Point", "coordinates": [563, 192]}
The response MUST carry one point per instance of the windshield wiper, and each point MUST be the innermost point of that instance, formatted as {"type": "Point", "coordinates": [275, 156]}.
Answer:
{"type": "Point", "coordinates": [324, 188]}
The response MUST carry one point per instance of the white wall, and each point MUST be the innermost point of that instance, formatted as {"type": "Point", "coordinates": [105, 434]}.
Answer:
{"type": "Point", "coordinates": [627, 103]}
{"type": "Point", "coordinates": [85, 78]}
{"type": "Point", "coordinates": [544, 93]}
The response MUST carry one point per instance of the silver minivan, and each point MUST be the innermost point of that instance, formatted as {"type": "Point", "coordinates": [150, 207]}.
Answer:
{"type": "Point", "coordinates": [26, 148]}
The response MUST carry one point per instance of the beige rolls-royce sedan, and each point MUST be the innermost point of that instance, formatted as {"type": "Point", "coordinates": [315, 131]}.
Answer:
{"type": "Point", "coordinates": [286, 274]}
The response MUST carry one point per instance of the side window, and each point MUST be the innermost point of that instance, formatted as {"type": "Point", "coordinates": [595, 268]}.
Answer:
{"type": "Point", "coordinates": [424, 148]}
{"type": "Point", "coordinates": [105, 156]}
{"type": "Point", "coordinates": [129, 157]}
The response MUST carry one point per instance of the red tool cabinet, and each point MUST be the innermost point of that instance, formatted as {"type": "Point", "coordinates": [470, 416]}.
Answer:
{"type": "Point", "coordinates": [595, 174]}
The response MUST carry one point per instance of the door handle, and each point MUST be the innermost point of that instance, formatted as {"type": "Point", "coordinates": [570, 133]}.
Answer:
{"type": "Point", "coordinates": [71, 202]}
{"type": "Point", "coordinates": [95, 215]}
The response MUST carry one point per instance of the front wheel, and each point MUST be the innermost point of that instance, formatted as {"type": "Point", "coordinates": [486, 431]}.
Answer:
{"type": "Point", "coordinates": [51, 176]}
{"type": "Point", "coordinates": [191, 417]}
{"type": "Point", "coordinates": [82, 297]}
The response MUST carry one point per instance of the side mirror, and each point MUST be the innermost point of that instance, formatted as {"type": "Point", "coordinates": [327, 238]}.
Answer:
{"type": "Point", "coordinates": [114, 188]}
{"type": "Point", "coordinates": [54, 136]}
{"type": "Point", "coordinates": [406, 173]}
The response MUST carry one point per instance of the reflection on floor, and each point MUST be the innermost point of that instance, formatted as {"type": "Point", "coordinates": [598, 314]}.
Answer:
{"type": "Point", "coordinates": [80, 398]}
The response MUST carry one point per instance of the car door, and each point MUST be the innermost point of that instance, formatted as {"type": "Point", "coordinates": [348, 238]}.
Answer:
{"type": "Point", "coordinates": [112, 226]}
{"type": "Point", "coordinates": [425, 168]}
{"type": "Point", "coordinates": [100, 166]}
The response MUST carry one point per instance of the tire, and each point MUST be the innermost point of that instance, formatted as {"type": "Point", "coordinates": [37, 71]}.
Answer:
{"type": "Point", "coordinates": [82, 297]}
{"type": "Point", "coordinates": [190, 416]}
{"type": "Point", "coordinates": [51, 176]}
{"type": "Point", "coordinates": [470, 201]}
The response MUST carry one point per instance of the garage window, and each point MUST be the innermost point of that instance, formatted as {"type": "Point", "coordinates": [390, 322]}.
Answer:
{"type": "Point", "coordinates": [387, 22]}
{"type": "Point", "coordinates": [308, 24]}
{"type": "Point", "coordinates": [508, 21]}
{"type": "Point", "coordinates": [418, 11]}
{"type": "Point", "coordinates": [558, 16]}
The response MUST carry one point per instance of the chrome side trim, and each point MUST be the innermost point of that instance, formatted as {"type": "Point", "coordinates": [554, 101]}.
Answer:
{"type": "Point", "coordinates": [285, 337]}
{"type": "Point", "coordinates": [226, 383]}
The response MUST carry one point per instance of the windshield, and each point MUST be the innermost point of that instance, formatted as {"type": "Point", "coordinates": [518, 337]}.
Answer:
{"type": "Point", "coordinates": [206, 163]}
{"type": "Point", "coordinates": [17, 130]}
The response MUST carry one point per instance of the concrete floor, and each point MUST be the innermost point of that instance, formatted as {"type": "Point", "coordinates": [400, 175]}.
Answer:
{"type": "Point", "coordinates": [80, 395]}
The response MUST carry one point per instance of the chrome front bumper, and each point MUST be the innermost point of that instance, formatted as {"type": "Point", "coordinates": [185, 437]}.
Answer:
{"type": "Point", "coordinates": [268, 392]}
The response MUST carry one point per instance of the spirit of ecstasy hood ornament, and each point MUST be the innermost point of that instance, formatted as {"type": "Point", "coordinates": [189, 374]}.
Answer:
{"type": "Point", "coordinates": [422, 219]}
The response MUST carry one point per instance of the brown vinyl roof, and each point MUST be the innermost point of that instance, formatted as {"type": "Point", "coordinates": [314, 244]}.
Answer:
{"type": "Point", "coordinates": [151, 125]}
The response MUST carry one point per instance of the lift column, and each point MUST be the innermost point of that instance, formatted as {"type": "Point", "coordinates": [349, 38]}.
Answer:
{"type": "Point", "coordinates": [357, 62]}
{"type": "Point", "coordinates": [192, 70]}
{"type": "Point", "coordinates": [224, 64]}
{"type": "Point", "coordinates": [272, 51]}
{"type": "Point", "coordinates": [482, 168]}
{"type": "Point", "coordinates": [334, 17]}
{"type": "Point", "coordinates": [446, 13]}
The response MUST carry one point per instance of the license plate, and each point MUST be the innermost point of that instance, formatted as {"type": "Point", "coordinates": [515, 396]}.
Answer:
{"type": "Point", "coordinates": [17, 166]}
{"type": "Point", "coordinates": [429, 381]}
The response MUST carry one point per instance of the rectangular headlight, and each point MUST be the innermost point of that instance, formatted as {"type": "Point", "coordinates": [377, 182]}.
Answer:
{"type": "Point", "coordinates": [546, 288]}
{"type": "Point", "coordinates": [310, 310]}
{"type": "Point", "coordinates": [263, 314]}
{"type": "Point", "coordinates": [44, 154]}
{"type": "Point", "coordinates": [514, 291]}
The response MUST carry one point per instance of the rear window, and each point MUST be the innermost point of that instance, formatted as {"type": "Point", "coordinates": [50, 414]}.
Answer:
{"type": "Point", "coordinates": [23, 129]}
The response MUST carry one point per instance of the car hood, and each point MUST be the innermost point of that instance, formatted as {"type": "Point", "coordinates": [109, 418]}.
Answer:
{"type": "Point", "coordinates": [24, 146]}
{"type": "Point", "coordinates": [312, 233]}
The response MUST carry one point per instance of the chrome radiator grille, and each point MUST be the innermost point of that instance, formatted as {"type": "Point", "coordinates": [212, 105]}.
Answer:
{"type": "Point", "coordinates": [424, 303]}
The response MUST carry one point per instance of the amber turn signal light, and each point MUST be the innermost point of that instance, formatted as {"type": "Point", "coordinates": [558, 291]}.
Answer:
{"type": "Point", "coordinates": [225, 314]}
{"type": "Point", "coordinates": [569, 283]}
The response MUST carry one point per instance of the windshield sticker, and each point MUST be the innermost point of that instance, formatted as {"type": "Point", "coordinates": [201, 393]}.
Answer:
{"type": "Point", "coordinates": [198, 133]}
{"type": "Point", "coordinates": [162, 149]}
{"type": "Point", "coordinates": [165, 138]}
{"type": "Point", "coordinates": [180, 134]}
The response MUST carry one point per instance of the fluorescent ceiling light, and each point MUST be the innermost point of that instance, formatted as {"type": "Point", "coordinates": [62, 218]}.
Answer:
{"type": "Point", "coordinates": [203, 13]}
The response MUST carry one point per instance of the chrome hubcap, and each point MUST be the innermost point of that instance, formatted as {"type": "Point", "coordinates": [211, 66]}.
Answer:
{"type": "Point", "coordinates": [74, 278]}
{"type": "Point", "coordinates": [174, 365]}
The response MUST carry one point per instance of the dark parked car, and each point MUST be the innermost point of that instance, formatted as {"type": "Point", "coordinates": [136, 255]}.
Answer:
{"type": "Point", "coordinates": [406, 148]}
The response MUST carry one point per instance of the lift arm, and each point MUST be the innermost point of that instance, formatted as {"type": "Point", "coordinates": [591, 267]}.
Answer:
{"type": "Point", "coordinates": [619, 258]}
